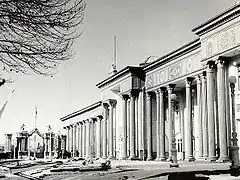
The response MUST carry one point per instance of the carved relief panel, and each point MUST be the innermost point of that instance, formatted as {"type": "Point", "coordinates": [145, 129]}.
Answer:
{"type": "Point", "coordinates": [221, 41]}
{"type": "Point", "coordinates": [184, 67]}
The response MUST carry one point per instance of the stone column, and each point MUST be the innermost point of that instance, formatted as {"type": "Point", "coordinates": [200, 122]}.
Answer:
{"type": "Point", "coordinates": [98, 136]}
{"type": "Point", "coordinates": [80, 139]}
{"type": "Point", "coordinates": [50, 146]}
{"type": "Point", "coordinates": [188, 123]}
{"type": "Point", "coordinates": [87, 137]}
{"type": "Point", "coordinates": [204, 115]}
{"type": "Point", "coordinates": [104, 121]}
{"type": "Point", "coordinates": [62, 142]}
{"type": "Point", "coordinates": [199, 121]}
{"type": "Point", "coordinates": [84, 139]}
{"type": "Point", "coordinates": [77, 139]}
{"type": "Point", "coordinates": [132, 125]}
{"type": "Point", "coordinates": [228, 116]}
{"type": "Point", "coordinates": [210, 106]}
{"type": "Point", "coordinates": [14, 149]}
{"type": "Point", "coordinates": [68, 138]}
{"type": "Point", "coordinates": [170, 89]}
{"type": "Point", "coordinates": [149, 125]}
{"type": "Point", "coordinates": [128, 127]}
{"type": "Point", "coordinates": [19, 147]}
{"type": "Point", "coordinates": [112, 104]}
{"type": "Point", "coordinates": [158, 123]}
{"type": "Point", "coordinates": [90, 140]}
{"type": "Point", "coordinates": [71, 140]}
{"type": "Point", "coordinates": [222, 112]}
{"type": "Point", "coordinates": [140, 125]}
{"type": "Point", "coordinates": [29, 152]}
{"type": "Point", "coordinates": [8, 142]}
{"type": "Point", "coordinates": [74, 139]}
{"type": "Point", "coordinates": [162, 124]}
{"type": "Point", "coordinates": [124, 115]}
{"type": "Point", "coordinates": [46, 145]}
{"type": "Point", "coordinates": [136, 125]}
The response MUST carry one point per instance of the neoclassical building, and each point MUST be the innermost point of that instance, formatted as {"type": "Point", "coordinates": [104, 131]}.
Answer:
{"type": "Point", "coordinates": [182, 97]}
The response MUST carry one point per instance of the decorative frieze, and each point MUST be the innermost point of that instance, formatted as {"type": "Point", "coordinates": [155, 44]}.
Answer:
{"type": "Point", "coordinates": [221, 41]}
{"type": "Point", "coordinates": [173, 71]}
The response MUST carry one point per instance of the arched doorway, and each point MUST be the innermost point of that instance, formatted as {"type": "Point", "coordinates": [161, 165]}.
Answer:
{"type": "Point", "coordinates": [36, 144]}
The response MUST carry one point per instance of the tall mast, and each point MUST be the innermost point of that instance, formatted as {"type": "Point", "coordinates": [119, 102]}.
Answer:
{"type": "Point", "coordinates": [113, 69]}
{"type": "Point", "coordinates": [115, 52]}
{"type": "Point", "coordinates": [35, 119]}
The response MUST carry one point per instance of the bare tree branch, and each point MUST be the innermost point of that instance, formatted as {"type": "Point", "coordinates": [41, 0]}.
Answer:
{"type": "Point", "coordinates": [37, 35]}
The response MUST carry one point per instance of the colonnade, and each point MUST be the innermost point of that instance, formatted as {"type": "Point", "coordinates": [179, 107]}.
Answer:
{"type": "Point", "coordinates": [93, 137]}
{"type": "Point", "coordinates": [207, 130]}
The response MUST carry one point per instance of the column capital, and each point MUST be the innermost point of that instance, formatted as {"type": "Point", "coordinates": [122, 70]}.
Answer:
{"type": "Point", "coordinates": [125, 97]}
{"type": "Point", "coordinates": [162, 89]}
{"type": "Point", "coordinates": [220, 62]}
{"type": "Point", "coordinates": [105, 104]}
{"type": "Point", "coordinates": [149, 94]}
{"type": "Point", "coordinates": [203, 76]}
{"type": "Point", "coordinates": [189, 81]}
{"type": "Point", "coordinates": [112, 102]}
{"type": "Point", "coordinates": [8, 135]}
{"type": "Point", "coordinates": [199, 78]}
{"type": "Point", "coordinates": [210, 66]}
{"type": "Point", "coordinates": [170, 88]}
{"type": "Point", "coordinates": [157, 92]}
{"type": "Point", "coordinates": [91, 120]}
{"type": "Point", "coordinates": [99, 117]}
{"type": "Point", "coordinates": [133, 93]}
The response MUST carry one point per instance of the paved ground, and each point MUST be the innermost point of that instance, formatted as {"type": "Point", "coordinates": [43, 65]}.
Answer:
{"type": "Point", "coordinates": [147, 170]}
{"type": "Point", "coordinates": [122, 170]}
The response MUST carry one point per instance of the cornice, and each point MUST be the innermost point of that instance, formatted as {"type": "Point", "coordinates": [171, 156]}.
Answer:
{"type": "Point", "coordinates": [191, 46]}
{"type": "Point", "coordinates": [81, 111]}
{"type": "Point", "coordinates": [119, 74]}
{"type": "Point", "coordinates": [218, 20]}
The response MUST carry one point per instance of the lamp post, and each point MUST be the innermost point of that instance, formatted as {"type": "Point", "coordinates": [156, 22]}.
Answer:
{"type": "Point", "coordinates": [234, 147]}
{"type": "Point", "coordinates": [174, 162]}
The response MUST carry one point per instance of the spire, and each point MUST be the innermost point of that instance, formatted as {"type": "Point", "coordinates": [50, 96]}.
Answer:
{"type": "Point", "coordinates": [113, 69]}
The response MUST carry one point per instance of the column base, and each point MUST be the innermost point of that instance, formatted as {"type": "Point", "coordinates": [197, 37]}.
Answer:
{"type": "Point", "coordinates": [205, 156]}
{"type": "Point", "coordinates": [199, 158]}
{"type": "Point", "coordinates": [150, 158]}
{"type": "Point", "coordinates": [124, 158]}
{"type": "Point", "coordinates": [104, 157]}
{"type": "Point", "coordinates": [212, 159]}
{"type": "Point", "coordinates": [176, 165]}
{"type": "Point", "coordinates": [132, 158]}
{"type": "Point", "coordinates": [234, 170]}
{"type": "Point", "coordinates": [169, 159]}
{"type": "Point", "coordinates": [190, 159]}
{"type": "Point", "coordinates": [223, 159]}
{"type": "Point", "coordinates": [111, 157]}
{"type": "Point", "coordinates": [160, 159]}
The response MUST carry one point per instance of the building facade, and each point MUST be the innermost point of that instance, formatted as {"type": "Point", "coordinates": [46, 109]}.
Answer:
{"type": "Point", "coordinates": [183, 97]}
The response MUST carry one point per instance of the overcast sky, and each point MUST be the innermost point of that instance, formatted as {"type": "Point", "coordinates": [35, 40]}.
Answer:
{"type": "Point", "coordinates": [143, 28]}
